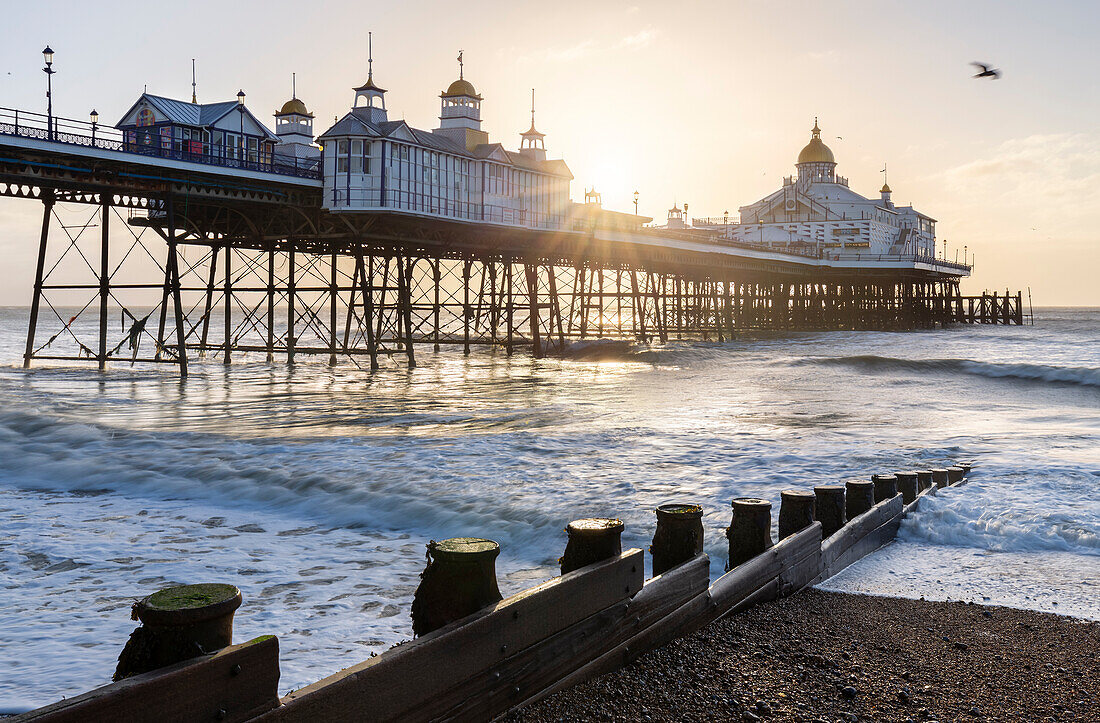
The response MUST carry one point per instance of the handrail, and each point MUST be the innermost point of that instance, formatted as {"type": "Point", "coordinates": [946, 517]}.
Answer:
{"type": "Point", "coordinates": [27, 124]}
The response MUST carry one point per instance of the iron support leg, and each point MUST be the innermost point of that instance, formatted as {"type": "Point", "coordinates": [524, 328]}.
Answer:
{"type": "Point", "coordinates": [36, 300]}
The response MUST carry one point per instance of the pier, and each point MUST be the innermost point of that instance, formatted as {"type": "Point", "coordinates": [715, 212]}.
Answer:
{"type": "Point", "coordinates": [207, 255]}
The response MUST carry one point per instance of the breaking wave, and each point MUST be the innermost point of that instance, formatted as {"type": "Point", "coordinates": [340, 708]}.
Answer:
{"type": "Point", "coordinates": [1083, 376]}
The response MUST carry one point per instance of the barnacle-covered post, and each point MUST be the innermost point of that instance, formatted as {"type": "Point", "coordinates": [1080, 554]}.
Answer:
{"type": "Point", "coordinates": [591, 540]}
{"type": "Point", "coordinates": [460, 579]}
{"type": "Point", "coordinates": [679, 536]}
{"type": "Point", "coordinates": [796, 511]}
{"type": "Point", "coordinates": [829, 508]}
{"type": "Point", "coordinates": [179, 623]}
{"type": "Point", "coordinates": [860, 495]}
{"type": "Point", "coordinates": [750, 530]}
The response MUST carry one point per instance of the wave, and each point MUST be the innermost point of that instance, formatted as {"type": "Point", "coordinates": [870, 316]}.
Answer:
{"type": "Point", "coordinates": [1082, 376]}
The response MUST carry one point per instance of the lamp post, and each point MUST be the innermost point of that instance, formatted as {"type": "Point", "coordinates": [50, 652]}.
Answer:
{"type": "Point", "coordinates": [964, 253]}
{"type": "Point", "coordinates": [635, 203]}
{"type": "Point", "coordinates": [240, 107]}
{"type": "Point", "coordinates": [95, 122]}
{"type": "Point", "coordinates": [49, 71]}
{"type": "Point", "coordinates": [945, 249]}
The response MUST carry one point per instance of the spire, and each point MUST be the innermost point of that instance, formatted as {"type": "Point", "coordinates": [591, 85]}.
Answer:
{"type": "Point", "coordinates": [816, 131]}
{"type": "Point", "coordinates": [293, 86]}
{"type": "Point", "coordinates": [370, 56]}
{"type": "Point", "coordinates": [194, 96]}
{"type": "Point", "coordinates": [460, 66]}
{"type": "Point", "coordinates": [532, 107]}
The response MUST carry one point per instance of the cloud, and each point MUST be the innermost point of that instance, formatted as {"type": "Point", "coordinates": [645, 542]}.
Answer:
{"type": "Point", "coordinates": [588, 48]}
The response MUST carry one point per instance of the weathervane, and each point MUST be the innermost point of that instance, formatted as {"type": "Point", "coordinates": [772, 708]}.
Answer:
{"type": "Point", "coordinates": [460, 75]}
{"type": "Point", "coordinates": [194, 96]}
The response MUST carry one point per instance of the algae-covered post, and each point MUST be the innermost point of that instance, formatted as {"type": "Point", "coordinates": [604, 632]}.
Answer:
{"type": "Point", "coordinates": [459, 580]}
{"type": "Point", "coordinates": [591, 540]}
{"type": "Point", "coordinates": [679, 536]}
{"type": "Point", "coordinates": [179, 623]}
{"type": "Point", "coordinates": [796, 511]}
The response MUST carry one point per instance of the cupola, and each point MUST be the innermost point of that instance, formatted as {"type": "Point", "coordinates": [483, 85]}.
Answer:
{"type": "Point", "coordinates": [816, 162]}
{"type": "Point", "coordinates": [532, 143]}
{"type": "Point", "coordinates": [460, 112]}
{"type": "Point", "coordinates": [294, 122]}
{"type": "Point", "coordinates": [370, 99]}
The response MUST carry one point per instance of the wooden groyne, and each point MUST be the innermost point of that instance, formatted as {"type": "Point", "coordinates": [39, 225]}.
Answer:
{"type": "Point", "coordinates": [478, 656]}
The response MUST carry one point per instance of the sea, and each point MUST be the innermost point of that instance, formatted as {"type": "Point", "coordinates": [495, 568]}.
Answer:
{"type": "Point", "coordinates": [315, 489]}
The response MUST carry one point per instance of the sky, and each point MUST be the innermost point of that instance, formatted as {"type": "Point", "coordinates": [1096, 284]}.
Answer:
{"type": "Point", "coordinates": [700, 102]}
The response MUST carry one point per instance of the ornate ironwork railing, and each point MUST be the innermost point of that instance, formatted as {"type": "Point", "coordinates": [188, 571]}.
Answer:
{"type": "Point", "coordinates": [25, 124]}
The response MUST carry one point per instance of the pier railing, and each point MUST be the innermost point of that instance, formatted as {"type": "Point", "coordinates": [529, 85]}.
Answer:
{"type": "Point", "coordinates": [477, 655]}
{"type": "Point", "coordinates": [67, 131]}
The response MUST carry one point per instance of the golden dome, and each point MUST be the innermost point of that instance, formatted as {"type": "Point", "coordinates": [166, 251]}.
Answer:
{"type": "Point", "coordinates": [294, 106]}
{"type": "Point", "coordinates": [462, 87]}
{"type": "Point", "coordinates": [885, 188]}
{"type": "Point", "coordinates": [816, 151]}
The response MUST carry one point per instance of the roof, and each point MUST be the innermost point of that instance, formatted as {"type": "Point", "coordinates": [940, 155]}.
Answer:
{"type": "Point", "coordinates": [202, 115]}
{"type": "Point", "coordinates": [461, 87]}
{"type": "Point", "coordinates": [816, 151]}
{"type": "Point", "coordinates": [369, 85]}
{"type": "Point", "coordinates": [294, 105]}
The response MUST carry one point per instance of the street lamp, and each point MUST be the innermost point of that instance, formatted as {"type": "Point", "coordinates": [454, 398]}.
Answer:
{"type": "Point", "coordinates": [49, 71]}
{"type": "Point", "coordinates": [635, 203]}
{"type": "Point", "coordinates": [240, 107]}
{"type": "Point", "coordinates": [95, 121]}
{"type": "Point", "coordinates": [964, 253]}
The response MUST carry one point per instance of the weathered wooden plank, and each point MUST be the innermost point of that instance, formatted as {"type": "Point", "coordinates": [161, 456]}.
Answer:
{"type": "Point", "coordinates": [389, 685]}
{"type": "Point", "coordinates": [855, 529]}
{"type": "Point", "coordinates": [236, 683]}
{"type": "Point", "coordinates": [912, 506]}
{"type": "Point", "coordinates": [800, 573]}
{"type": "Point", "coordinates": [744, 579]}
{"type": "Point", "coordinates": [881, 535]}
{"type": "Point", "coordinates": [502, 686]}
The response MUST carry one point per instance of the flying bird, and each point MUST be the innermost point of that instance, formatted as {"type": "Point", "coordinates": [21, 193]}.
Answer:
{"type": "Point", "coordinates": [987, 72]}
{"type": "Point", "coordinates": [839, 138]}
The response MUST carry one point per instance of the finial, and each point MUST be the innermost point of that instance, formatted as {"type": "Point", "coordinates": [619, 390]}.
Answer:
{"type": "Point", "coordinates": [294, 85]}
{"type": "Point", "coordinates": [532, 107]}
{"type": "Point", "coordinates": [194, 97]}
{"type": "Point", "coordinates": [370, 56]}
{"type": "Point", "coordinates": [460, 66]}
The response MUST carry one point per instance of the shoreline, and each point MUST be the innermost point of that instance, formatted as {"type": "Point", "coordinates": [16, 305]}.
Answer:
{"type": "Point", "coordinates": [830, 656]}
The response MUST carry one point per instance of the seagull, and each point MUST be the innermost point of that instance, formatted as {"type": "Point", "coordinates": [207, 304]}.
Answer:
{"type": "Point", "coordinates": [987, 72]}
{"type": "Point", "coordinates": [839, 138]}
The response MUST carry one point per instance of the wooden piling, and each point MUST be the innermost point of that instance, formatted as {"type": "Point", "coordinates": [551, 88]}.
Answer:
{"type": "Point", "coordinates": [796, 511]}
{"type": "Point", "coordinates": [941, 477]}
{"type": "Point", "coordinates": [886, 486]}
{"type": "Point", "coordinates": [460, 579]}
{"type": "Point", "coordinates": [924, 479]}
{"type": "Point", "coordinates": [907, 485]}
{"type": "Point", "coordinates": [750, 530]}
{"type": "Point", "coordinates": [829, 508]}
{"type": "Point", "coordinates": [679, 536]}
{"type": "Point", "coordinates": [859, 497]}
{"type": "Point", "coordinates": [591, 540]}
{"type": "Point", "coordinates": [177, 624]}
{"type": "Point", "coordinates": [955, 474]}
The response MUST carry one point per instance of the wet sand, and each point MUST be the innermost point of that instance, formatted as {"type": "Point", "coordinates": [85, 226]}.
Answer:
{"type": "Point", "coordinates": [823, 656]}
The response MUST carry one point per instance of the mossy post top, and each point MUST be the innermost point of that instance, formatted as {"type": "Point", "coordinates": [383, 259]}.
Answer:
{"type": "Point", "coordinates": [595, 526]}
{"type": "Point", "coordinates": [188, 604]}
{"type": "Point", "coordinates": [464, 549]}
{"type": "Point", "coordinates": [676, 511]}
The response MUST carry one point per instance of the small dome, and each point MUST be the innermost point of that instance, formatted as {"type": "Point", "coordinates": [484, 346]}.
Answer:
{"type": "Point", "coordinates": [816, 151]}
{"type": "Point", "coordinates": [885, 188]}
{"type": "Point", "coordinates": [462, 87]}
{"type": "Point", "coordinates": [294, 106]}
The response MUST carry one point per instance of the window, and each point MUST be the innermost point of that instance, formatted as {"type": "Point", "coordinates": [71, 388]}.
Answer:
{"type": "Point", "coordinates": [342, 157]}
{"type": "Point", "coordinates": [356, 156]}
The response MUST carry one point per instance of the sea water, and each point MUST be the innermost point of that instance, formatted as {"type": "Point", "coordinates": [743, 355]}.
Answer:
{"type": "Point", "coordinates": [315, 489]}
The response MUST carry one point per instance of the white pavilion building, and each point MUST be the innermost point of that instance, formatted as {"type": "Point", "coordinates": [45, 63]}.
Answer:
{"type": "Point", "coordinates": [372, 163]}
{"type": "Point", "coordinates": [817, 209]}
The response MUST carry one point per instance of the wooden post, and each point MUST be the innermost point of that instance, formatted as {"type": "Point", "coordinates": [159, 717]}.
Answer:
{"type": "Point", "coordinates": [460, 579]}
{"type": "Point", "coordinates": [859, 497]}
{"type": "Point", "coordinates": [830, 508]}
{"type": "Point", "coordinates": [924, 479]}
{"type": "Point", "coordinates": [886, 486]}
{"type": "Point", "coordinates": [796, 511]}
{"type": "Point", "coordinates": [591, 540]}
{"type": "Point", "coordinates": [47, 211]}
{"type": "Point", "coordinates": [179, 623]}
{"type": "Point", "coordinates": [941, 477]}
{"type": "Point", "coordinates": [750, 530]}
{"type": "Point", "coordinates": [955, 474]}
{"type": "Point", "coordinates": [679, 536]}
{"type": "Point", "coordinates": [907, 485]}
